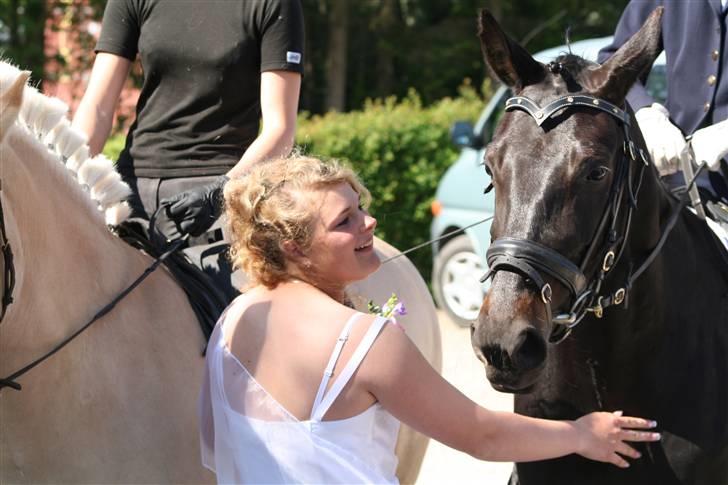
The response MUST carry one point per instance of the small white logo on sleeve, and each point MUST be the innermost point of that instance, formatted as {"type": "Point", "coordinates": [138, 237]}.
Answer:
{"type": "Point", "coordinates": [293, 57]}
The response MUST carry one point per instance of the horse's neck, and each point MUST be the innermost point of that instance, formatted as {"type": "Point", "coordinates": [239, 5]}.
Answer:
{"type": "Point", "coordinates": [67, 262]}
{"type": "Point", "coordinates": [689, 257]}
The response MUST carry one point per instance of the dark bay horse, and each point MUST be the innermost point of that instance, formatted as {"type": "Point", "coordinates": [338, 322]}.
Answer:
{"type": "Point", "coordinates": [585, 233]}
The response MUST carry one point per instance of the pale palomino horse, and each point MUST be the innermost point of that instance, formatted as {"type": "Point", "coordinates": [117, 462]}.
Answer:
{"type": "Point", "coordinates": [118, 404]}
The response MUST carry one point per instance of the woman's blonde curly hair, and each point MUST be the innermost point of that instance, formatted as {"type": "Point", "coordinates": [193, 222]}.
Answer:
{"type": "Point", "coordinates": [269, 206]}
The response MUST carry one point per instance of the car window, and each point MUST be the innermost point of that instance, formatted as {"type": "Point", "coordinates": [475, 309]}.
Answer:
{"type": "Point", "coordinates": [657, 83]}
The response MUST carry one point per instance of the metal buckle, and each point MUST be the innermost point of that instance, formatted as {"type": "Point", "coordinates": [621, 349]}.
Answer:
{"type": "Point", "coordinates": [566, 319]}
{"type": "Point", "coordinates": [546, 294]}
{"type": "Point", "coordinates": [597, 309]}
{"type": "Point", "coordinates": [619, 296]}
{"type": "Point", "coordinates": [575, 314]}
{"type": "Point", "coordinates": [630, 149]}
{"type": "Point", "coordinates": [644, 157]}
{"type": "Point", "coordinates": [608, 261]}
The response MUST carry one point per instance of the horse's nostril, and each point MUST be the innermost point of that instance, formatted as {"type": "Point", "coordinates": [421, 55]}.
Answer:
{"type": "Point", "coordinates": [495, 356]}
{"type": "Point", "coordinates": [530, 351]}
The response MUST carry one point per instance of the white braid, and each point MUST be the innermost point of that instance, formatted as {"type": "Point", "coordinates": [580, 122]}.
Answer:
{"type": "Point", "coordinates": [46, 119]}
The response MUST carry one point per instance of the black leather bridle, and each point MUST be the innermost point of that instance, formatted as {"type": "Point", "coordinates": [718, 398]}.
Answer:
{"type": "Point", "coordinates": [532, 260]}
{"type": "Point", "coordinates": [8, 272]}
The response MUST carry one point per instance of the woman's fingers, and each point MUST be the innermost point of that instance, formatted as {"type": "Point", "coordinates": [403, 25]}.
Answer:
{"type": "Point", "coordinates": [634, 435]}
{"type": "Point", "coordinates": [626, 450]}
{"type": "Point", "coordinates": [615, 459]}
{"type": "Point", "coordinates": [632, 422]}
{"type": "Point", "coordinates": [637, 424]}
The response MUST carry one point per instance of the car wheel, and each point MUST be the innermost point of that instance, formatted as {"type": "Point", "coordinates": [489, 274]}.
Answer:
{"type": "Point", "coordinates": [456, 280]}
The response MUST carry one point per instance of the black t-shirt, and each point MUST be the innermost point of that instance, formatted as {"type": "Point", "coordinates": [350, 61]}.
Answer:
{"type": "Point", "coordinates": [199, 107]}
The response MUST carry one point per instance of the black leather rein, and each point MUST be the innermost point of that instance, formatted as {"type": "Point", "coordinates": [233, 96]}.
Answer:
{"type": "Point", "coordinates": [8, 265]}
{"type": "Point", "coordinates": [10, 381]}
{"type": "Point", "coordinates": [532, 260]}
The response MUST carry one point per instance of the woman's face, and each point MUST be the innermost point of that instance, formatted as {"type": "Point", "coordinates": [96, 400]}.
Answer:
{"type": "Point", "coordinates": [342, 246]}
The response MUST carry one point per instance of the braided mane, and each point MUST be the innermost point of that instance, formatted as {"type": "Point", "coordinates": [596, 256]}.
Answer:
{"type": "Point", "coordinates": [95, 179]}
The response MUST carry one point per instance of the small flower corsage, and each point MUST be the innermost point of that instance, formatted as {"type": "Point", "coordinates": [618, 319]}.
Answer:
{"type": "Point", "coordinates": [390, 309]}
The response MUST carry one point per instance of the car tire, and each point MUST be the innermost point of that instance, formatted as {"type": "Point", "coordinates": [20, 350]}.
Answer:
{"type": "Point", "coordinates": [456, 280]}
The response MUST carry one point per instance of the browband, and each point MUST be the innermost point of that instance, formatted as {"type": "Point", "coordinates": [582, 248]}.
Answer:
{"type": "Point", "coordinates": [542, 114]}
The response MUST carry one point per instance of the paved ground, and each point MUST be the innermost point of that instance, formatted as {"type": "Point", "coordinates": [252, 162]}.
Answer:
{"type": "Point", "coordinates": [444, 465]}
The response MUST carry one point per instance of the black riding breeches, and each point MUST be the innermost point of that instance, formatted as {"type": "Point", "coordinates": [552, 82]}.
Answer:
{"type": "Point", "coordinates": [212, 258]}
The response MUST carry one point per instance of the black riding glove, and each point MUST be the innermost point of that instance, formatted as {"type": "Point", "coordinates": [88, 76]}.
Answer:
{"type": "Point", "coordinates": [191, 212]}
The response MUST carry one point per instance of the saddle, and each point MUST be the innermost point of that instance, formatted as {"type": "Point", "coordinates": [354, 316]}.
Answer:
{"type": "Point", "coordinates": [206, 299]}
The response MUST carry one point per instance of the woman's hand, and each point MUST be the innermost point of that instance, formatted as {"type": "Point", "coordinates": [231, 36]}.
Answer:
{"type": "Point", "coordinates": [602, 436]}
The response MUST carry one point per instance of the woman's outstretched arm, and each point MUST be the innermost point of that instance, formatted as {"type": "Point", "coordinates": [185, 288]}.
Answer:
{"type": "Point", "coordinates": [409, 388]}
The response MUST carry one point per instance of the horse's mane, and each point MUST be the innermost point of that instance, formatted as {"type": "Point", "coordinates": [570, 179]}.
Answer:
{"type": "Point", "coordinates": [95, 180]}
{"type": "Point", "coordinates": [573, 63]}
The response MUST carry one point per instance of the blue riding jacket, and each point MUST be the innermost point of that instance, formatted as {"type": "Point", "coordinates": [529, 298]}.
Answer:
{"type": "Point", "coordinates": [693, 37]}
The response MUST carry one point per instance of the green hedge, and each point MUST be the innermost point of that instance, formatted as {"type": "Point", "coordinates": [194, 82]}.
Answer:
{"type": "Point", "coordinates": [114, 145]}
{"type": "Point", "coordinates": [400, 149]}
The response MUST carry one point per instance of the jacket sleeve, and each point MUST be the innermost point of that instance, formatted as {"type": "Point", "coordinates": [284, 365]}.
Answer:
{"type": "Point", "coordinates": [633, 17]}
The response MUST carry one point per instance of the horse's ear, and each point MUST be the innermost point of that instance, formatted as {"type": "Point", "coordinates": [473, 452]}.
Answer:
{"type": "Point", "coordinates": [508, 60]}
{"type": "Point", "coordinates": [613, 79]}
{"type": "Point", "coordinates": [10, 101]}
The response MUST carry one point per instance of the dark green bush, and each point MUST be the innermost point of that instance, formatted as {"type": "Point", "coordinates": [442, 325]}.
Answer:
{"type": "Point", "coordinates": [114, 146]}
{"type": "Point", "coordinates": [400, 149]}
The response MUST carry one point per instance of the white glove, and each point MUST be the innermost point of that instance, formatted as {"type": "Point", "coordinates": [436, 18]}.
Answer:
{"type": "Point", "coordinates": [664, 140]}
{"type": "Point", "coordinates": [711, 144]}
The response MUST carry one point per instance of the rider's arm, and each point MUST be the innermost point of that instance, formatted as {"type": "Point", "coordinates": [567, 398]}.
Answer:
{"type": "Point", "coordinates": [95, 113]}
{"type": "Point", "coordinates": [279, 92]}
{"type": "Point", "coordinates": [408, 387]}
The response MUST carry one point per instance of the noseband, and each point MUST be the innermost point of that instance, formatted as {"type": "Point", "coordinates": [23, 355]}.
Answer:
{"type": "Point", "coordinates": [532, 260]}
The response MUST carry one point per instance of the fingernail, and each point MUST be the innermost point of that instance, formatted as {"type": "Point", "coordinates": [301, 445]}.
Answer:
{"type": "Point", "coordinates": [617, 413]}
{"type": "Point", "coordinates": [653, 424]}
{"type": "Point", "coordinates": [656, 436]}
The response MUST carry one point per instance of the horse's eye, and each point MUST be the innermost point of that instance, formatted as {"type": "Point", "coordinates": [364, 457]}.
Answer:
{"type": "Point", "coordinates": [487, 170]}
{"type": "Point", "coordinates": [598, 173]}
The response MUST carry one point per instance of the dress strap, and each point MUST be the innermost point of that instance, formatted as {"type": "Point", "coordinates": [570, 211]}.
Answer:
{"type": "Point", "coordinates": [323, 403]}
{"type": "Point", "coordinates": [329, 371]}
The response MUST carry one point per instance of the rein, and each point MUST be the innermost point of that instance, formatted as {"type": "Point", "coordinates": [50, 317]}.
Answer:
{"type": "Point", "coordinates": [532, 260]}
{"type": "Point", "coordinates": [8, 267]}
{"type": "Point", "coordinates": [10, 380]}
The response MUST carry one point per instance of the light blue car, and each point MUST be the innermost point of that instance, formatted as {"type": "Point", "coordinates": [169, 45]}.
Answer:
{"type": "Point", "coordinates": [459, 259]}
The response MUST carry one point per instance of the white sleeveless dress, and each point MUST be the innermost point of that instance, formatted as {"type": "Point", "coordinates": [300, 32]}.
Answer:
{"type": "Point", "coordinates": [248, 437]}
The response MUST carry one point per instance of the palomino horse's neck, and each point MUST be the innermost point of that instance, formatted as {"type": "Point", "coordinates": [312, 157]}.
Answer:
{"type": "Point", "coordinates": [56, 227]}
{"type": "Point", "coordinates": [57, 244]}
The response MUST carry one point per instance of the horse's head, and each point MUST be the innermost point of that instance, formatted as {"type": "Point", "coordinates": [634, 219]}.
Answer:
{"type": "Point", "coordinates": [563, 182]}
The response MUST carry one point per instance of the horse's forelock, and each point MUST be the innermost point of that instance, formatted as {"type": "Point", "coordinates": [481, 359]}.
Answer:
{"type": "Point", "coordinates": [575, 70]}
